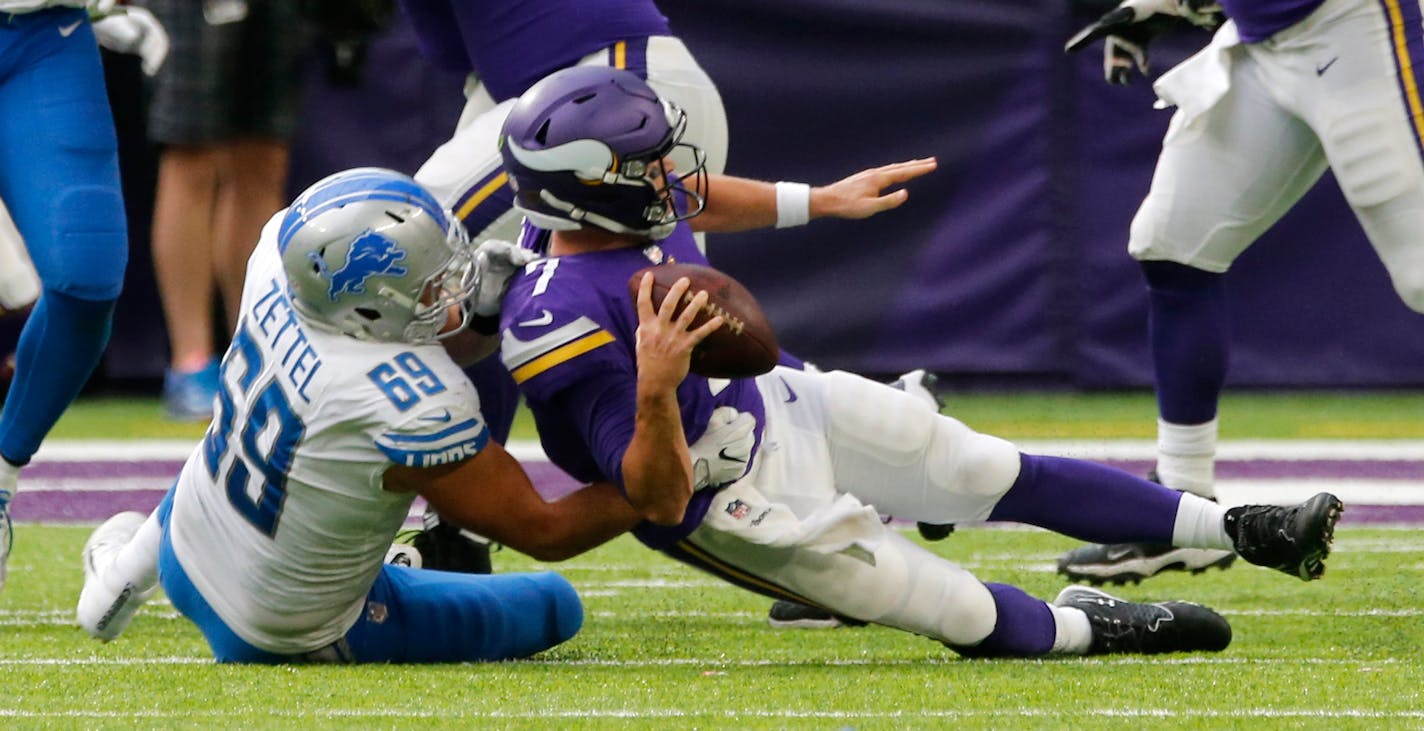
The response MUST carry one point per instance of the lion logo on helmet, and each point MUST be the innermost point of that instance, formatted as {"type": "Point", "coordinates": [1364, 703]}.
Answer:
{"type": "Point", "coordinates": [370, 254]}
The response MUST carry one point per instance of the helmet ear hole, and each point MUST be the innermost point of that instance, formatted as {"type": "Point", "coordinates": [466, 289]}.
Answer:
{"type": "Point", "coordinates": [543, 134]}
{"type": "Point", "coordinates": [368, 313]}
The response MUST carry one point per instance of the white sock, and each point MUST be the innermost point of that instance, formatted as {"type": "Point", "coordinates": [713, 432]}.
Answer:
{"type": "Point", "coordinates": [9, 480]}
{"type": "Point", "coordinates": [137, 562]}
{"type": "Point", "coordinates": [1186, 457]}
{"type": "Point", "coordinates": [1072, 633]}
{"type": "Point", "coordinates": [1200, 523]}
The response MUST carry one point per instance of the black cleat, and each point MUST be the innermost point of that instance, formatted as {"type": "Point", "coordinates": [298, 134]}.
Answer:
{"type": "Point", "coordinates": [442, 547]}
{"type": "Point", "coordinates": [1120, 563]}
{"type": "Point", "coordinates": [1121, 626]}
{"type": "Point", "coordinates": [934, 531]}
{"type": "Point", "coordinates": [793, 615]}
{"type": "Point", "coordinates": [1294, 540]}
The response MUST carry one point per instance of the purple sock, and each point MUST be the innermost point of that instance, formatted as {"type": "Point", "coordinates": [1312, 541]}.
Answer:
{"type": "Point", "coordinates": [1089, 501]}
{"type": "Point", "coordinates": [1188, 332]}
{"type": "Point", "coordinates": [1024, 626]}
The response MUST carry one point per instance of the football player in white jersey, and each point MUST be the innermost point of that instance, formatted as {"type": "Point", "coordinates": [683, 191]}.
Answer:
{"type": "Point", "coordinates": [339, 404]}
{"type": "Point", "coordinates": [1285, 90]}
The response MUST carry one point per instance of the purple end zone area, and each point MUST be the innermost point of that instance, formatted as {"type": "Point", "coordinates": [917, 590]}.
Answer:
{"type": "Point", "coordinates": [56, 492]}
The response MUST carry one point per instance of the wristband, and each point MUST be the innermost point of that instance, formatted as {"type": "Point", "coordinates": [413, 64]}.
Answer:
{"type": "Point", "coordinates": [793, 204]}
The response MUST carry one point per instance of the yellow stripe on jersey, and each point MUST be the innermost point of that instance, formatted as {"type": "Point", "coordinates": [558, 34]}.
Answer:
{"type": "Point", "coordinates": [735, 574]}
{"type": "Point", "coordinates": [620, 55]}
{"type": "Point", "coordinates": [1397, 30]}
{"type": "Point", "coordinates": [480, 195]}
{"type": "Point", "coordinates": [561, 354]}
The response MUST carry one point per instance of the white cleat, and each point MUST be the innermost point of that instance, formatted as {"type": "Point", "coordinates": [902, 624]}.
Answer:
{"type": "Point", "coordinates": [104, 612]}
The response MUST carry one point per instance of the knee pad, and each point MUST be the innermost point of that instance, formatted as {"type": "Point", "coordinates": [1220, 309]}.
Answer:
{"type": "Point", "coordinates": [969, 462]}
{"type": "Point", "coordinates": [939, 599]}
{"type": "Point", "coordinates": [89, 249]}
{"type": "Point", "coordinates": [901, 430]}
{"type": "Point", "coordinates": [1373, 156]}
{"type": "Point", "coordinates": [881, 420]}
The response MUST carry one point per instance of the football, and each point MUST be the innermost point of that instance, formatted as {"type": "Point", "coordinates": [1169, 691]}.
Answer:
{"type": "Point", "coordinates": [744, 346]}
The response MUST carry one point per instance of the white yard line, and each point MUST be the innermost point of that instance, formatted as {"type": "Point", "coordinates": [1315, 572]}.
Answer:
{"type": "Point", "coordinates": [71, 450]}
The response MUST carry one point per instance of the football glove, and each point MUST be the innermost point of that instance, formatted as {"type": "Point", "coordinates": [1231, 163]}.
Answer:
{"type": "Point", "coordinates": [721, 454]}
{"type": "Point", "coordinates": [495, 263]}
{"type": "Point", "coordinates": [134, 30]}
{"type": "Point", "coordinates": [1128, 28]}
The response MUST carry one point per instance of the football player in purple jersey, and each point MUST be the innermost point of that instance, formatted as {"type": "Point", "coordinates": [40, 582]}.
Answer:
{"type": "Point", "coordinates": [505, 46]}
{"type": "Point", "coordinates": [588, 151]}
{"type": "Point", "coordinates": [1285, 90]}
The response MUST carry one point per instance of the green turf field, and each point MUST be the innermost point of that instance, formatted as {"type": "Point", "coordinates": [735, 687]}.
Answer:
{"type": "Point", "coordinates": [1107, 415]}
{"type": "Point", "coordinates": [666, 647]}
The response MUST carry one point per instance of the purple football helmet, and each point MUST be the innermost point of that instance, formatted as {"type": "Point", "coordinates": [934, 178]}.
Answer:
{"type": "Point", "coordinates": [583, 147]}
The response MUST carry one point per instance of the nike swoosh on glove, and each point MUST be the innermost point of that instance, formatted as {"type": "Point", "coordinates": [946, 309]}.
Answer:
{"type": "Point", "coordinates": [721, 454]}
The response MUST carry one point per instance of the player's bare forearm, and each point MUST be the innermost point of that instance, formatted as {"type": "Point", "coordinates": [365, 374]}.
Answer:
{"type": "Point", "coordinates": [741, 204]}
{"type": "Point", "coordinates": [557, 531]}
{"type": "Point", "coordinates": [736, 204]}
{"type": "Point", "coordinates": [657, 468]}
{"type": "Point", "coordinates": [491, 494]}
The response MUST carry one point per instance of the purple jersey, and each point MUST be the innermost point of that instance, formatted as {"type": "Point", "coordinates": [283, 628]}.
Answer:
{"type": "Point", "coordinates": [510, 44]}
{"type": "Point", "coordinates": [568, 339]}
{"type": "Point", "coordinates": [1257, 20]}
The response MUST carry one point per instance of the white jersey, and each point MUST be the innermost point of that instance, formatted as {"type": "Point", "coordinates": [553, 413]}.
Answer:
{"type": "Point", "coordinates": [29, 6]}
{"type": "Point", "coordinates": [280, 517]}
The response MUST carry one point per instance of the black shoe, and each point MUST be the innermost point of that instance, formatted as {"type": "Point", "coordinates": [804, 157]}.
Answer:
{"type": "Point", "coordinates": [935, 531]}
{"type": "Point", "coordinates": [1121, 626]}
{"type": "Point", "coordinates": [1120, 563]}
{"type": "Point", "coordinates": [442, 547]}
{"type": "Point", "coordinates": [792, 615]}
{"type": "Point", "coordinates": [1294, 540]}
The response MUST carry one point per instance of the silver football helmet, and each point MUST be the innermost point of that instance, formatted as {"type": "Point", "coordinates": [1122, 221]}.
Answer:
{"type": "Point", "coordinates": [370, 253]}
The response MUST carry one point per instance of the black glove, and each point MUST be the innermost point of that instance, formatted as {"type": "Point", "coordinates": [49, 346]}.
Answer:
{"type": "Point", "coordinates": [1128, 28]}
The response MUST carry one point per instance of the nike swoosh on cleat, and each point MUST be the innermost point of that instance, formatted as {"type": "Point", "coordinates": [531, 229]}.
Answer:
{"type": "Point", "coordinates": [66, 30]}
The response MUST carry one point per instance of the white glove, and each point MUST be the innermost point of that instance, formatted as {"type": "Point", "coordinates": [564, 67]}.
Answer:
{"type": "Point", "coordinates": [101, 8]}
{"type": "Point", "coordinates": [721, 454]}
{"type": "Point", "coordinates": [495, 262]}
{"type": "Point", "coordinates": [134, 30]}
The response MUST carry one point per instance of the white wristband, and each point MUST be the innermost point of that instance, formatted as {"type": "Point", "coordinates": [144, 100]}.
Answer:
{"type": "Point", "coordinates": [793, 204]}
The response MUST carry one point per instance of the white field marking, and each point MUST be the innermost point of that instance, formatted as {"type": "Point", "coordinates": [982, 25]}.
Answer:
{"type": "Point", "coordinates": [1285, 491]}
{"type": "Point", "coordinates": [748, 617]}
{"type": "Point", "coordinates": [734, 714]}
{"type": "Point", "coordinates": [947, 659]}
{"type": "Point", "coordinates": [1232, 450]}
{"type": "Point", "coordinates": [80, 450]}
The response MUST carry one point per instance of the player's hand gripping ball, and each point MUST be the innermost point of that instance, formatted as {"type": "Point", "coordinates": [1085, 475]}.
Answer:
{"type": "Point", "coordinates": [744, 346]}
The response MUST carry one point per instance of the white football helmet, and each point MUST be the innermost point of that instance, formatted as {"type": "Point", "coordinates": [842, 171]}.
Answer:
{"type": "Point", "coordinates": [370, 253]}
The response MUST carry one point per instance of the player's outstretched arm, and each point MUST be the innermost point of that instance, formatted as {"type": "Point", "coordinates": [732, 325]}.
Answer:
{"type": "Point", "coordinates": [658, 474]}
{"type": "Point", "coordinates": [742, 204]}
{"type": "Point", "coordinates": [491, 494]}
